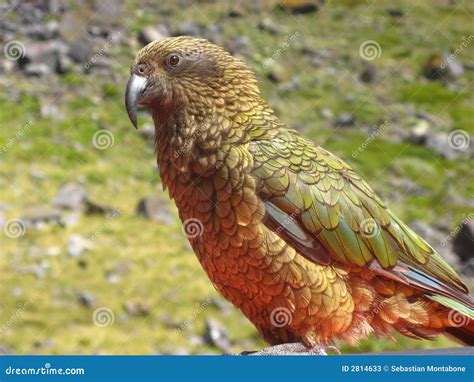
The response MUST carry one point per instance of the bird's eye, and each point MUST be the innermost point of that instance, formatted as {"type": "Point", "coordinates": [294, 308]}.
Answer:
{"type": "Point", "coordinates": [172, 60]}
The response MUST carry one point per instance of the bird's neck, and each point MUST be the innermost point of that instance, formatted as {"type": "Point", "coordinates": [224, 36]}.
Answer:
{"type": "Point", "coordinates": [193, 142]}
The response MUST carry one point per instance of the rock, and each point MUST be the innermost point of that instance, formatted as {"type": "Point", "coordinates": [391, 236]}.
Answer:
{"type": "Point", "coordinates": [394, 12]}
{"type": "Point", "coordinates": [237, 11]}
{"type": "Point", "coordinates": [441, 143]}
{"type": "Point", "coordinates": [81, 50]}
{"type": "Point", "coordinates": [188, 28]}
{"type": "Point", "coordinates": [156, 209]}
{"type": "Point", "coordinates": [147, 131]}
{"type": "Point", "coordinates": [86, 299]}
{"type": "Point", "coordinates": [300, 6]}
{"type": "Point", "coordinates": [47, 31]}
{"type": "Point", "coordinates": [64, 64]}
{"type": "Point", "coordinates": [114, 274]}
{"type": "Point", "coordinates": [404, 186]}
{"type": "Point", "coordinates": [38, 216]}
{"type": "Point", "coordinates": [237, 45]}
{"type": "Point", "coordinates": [215, 334]}
{"type": "Point", "coordinates": [278, 74]}
{"type": "Point", "coordinates": [38, 270]}
{"type": "Point", "coordinates": [344, 120]}
{"type": "Point", "coordinates": [326, 113]}
{"type": "Point", "coordinates": [51, 110]}
{"type": "Point", "coordinates": [92, 208]}
{"type": "Point", "coordinates": [149, 34]}
{"type": "Point", "coordinates": [137, 308]}
{"type": "Point", "coordinates": [292, 85]}
{"type": "Point", "coordinates": [71, 219]}
{"type": "Point", "coordinates": [463, 242]}
{"type": "Point", "coordinates": [267, 25]}
{"type": "Point", "coordinates": [443, 67]}
{"type": "Point", "coordinates": [77, 245]}
{"type": "Point", "coordinates": [419, 132]}
{"type": "Point", "coordinates": [37, 69]}
{"type": "Point", "coordinates": [41, 55]}
{"type": "Point", "coordinates": [369, 73]}
{"type": "Point", "coordinates": [71, 196]}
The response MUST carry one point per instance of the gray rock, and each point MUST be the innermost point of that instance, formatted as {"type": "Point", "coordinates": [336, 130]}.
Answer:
{"type": "Point", "coordinates": [344, 120]}
{"type": "Point", "coordinates": [92, 208]}
{"type": "Point", "coordinates": [45, 31]}
{"type": "Point", "coordinates": [188, 28]}
{"type": "Point", "coordinates": [419, 132]}
{"type": "Point", "coordinates": [215, 334]}
{"type": "Point", "coordinates": [137, 308]}
{"type": "Point", "coordinates": [77, 245]}
{"type": "Point", "coordinates": [41, 55]}
{"type": "Point", "coordinates": [301, 6]}
{"type": "Point", "coordinates": [237, 45]}
{"type": "Point", "coordinates": [80, 51]}
{"type": "Point", "coordinates": [155, 209]}
{"type": "Point", "coordinates": [39, 69]}
{"type": "Point", "coordinates": [369, 73]}
{"type": "Point", "coordinates": [114, 274]}
{"type": "Point", "coordinates": [463, 242]}
{"type": "Point", "coordinates": [440, 142]}
{"type": "Point", "coordinates": [267, 25]}
{"type": "Point", "coordinates": [149, 34]}
{"type": "Point", "coordinates": [406, 186]}
{"type": "Point", "coordinates": [86, 299]}
{"type": "Point", "coordinates": [38, 216]}
{"type": "Point", "coordinates": [147, 131]}
{"type": "Point", "coordinates": [70, 196]}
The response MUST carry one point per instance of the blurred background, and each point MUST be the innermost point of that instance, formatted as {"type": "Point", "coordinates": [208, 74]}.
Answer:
{"type": "Point", "coordinates": [93, 259]}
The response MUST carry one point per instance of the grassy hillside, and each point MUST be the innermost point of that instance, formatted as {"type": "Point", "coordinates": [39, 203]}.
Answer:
{"type": "Point", "coordinates": [142, 273]}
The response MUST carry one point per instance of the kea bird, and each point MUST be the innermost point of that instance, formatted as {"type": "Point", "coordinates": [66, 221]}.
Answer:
{"type": "Point", "coordinates": [286, 231]}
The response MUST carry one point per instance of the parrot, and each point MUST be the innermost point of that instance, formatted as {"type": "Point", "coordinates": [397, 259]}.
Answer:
{"type": "Point", "coordinates": [286, 231]}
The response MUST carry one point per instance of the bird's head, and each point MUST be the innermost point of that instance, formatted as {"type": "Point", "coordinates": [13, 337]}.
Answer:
{"type": "Point", "coordinates": [187, 73]}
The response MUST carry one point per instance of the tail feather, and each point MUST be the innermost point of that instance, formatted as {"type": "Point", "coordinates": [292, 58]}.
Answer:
{"type": "Point", "coordinates": [460, 319]}
{"type": "Point", "coordinates": [463, 334]}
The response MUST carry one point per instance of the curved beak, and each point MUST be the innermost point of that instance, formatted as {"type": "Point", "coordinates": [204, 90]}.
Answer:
{"type": "Point", "coordinates": [135, 88]}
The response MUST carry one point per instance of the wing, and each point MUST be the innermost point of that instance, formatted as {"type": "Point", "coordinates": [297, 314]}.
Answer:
{"type": "Point", "coordinates": [321, 207]}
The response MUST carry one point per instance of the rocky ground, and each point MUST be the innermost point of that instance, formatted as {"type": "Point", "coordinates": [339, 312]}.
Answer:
{"type": "Point", "coordinates": [93, 259]}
